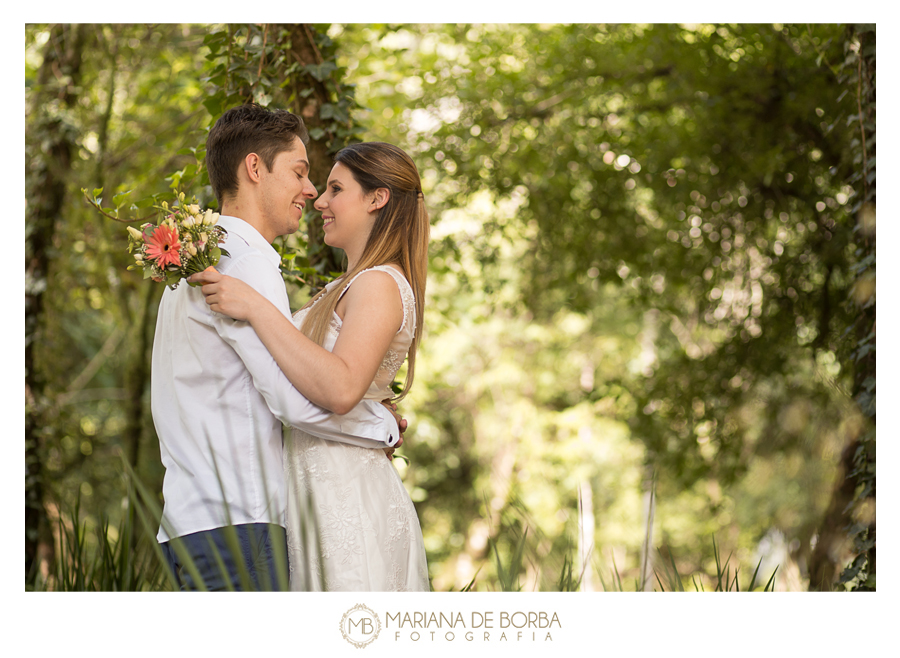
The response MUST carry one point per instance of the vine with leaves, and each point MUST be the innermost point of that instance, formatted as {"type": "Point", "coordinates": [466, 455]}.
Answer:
{"type": "Point", "coordinates": [291, 67]}
{"type": "Point", "coordinates": [851, 513]}
{"type": "Point", "coordinates": [859, 75]}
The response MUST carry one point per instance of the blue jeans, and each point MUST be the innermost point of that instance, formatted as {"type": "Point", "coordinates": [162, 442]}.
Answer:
{"type": "Point", "coordinates": [242, 557]}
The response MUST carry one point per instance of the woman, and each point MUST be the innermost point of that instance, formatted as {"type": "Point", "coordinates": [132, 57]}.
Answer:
{"type": "Point", "coordinates": [352, 339]}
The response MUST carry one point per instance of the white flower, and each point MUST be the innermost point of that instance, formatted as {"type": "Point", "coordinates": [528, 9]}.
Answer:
{"type": "Point", "coordinates": [194, 209]}
{"type": "Point", "coordinates": [133, 232]}
{"type": "Point", "coordinates": [187, 221]}
{"type": "Point", "coordinates": [210, 218]}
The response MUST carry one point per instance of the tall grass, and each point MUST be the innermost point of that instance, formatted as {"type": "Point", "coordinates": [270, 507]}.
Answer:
{"type": "Point", "coordinates": [725, 580]}
{"type": "Point", "coordinates": [669, 579]}
{"type": "Point", "coordinates": [103, 561]}
{"type": "Point", "coordinates": [130, 558]}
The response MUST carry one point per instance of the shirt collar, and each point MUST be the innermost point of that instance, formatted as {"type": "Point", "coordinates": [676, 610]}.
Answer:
{"type": "Point", "coordinates": [253, 237]}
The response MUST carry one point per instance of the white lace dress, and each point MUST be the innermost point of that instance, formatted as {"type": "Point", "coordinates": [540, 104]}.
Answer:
{"type": "Point", "coordinates": [352, 498]}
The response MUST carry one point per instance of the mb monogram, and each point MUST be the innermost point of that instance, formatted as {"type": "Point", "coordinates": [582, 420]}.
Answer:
{"type": "Point", "coordinates": [360, 626]}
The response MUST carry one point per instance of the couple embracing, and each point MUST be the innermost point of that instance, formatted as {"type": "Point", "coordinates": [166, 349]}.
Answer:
{"type": "Point", "coordinates": [230, 365]}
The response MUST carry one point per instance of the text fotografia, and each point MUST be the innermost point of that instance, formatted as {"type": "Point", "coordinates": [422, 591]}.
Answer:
{"type": "Point", "coordinates": [479, 626]}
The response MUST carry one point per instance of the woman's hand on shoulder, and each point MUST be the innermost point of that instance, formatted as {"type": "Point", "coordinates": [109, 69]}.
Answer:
{"type": "Point", "coordinates": [226, 295]}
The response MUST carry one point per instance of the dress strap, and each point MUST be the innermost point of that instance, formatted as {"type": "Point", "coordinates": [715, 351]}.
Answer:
{"type": "Point", "coordinates": [406, 292]}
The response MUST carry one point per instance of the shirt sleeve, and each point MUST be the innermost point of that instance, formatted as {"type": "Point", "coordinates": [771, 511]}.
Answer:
{"type": "Point", "coordinates": [369, 424]}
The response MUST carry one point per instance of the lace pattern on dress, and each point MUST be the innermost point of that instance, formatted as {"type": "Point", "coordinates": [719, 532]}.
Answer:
{"type": "Point", "coordinates": [369, 536]}
{"type": "Point", "coordinates": [392, 362]}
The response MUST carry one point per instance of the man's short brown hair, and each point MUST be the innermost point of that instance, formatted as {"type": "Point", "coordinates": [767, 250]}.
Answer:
{"type": "Point", "coordinates": [247, 129]}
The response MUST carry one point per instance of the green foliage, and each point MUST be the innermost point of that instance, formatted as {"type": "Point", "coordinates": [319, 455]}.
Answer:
{"type": "Point", "coordinates": [133, 112]}
{"type": "Point", "coordinates": [680, 194]}
{"type": "Point", "coordinates": [288, 67]}
{"type": "Point", "coordinates": [260, 63]}
{"type": "Point", "coordinates": [617, 198]}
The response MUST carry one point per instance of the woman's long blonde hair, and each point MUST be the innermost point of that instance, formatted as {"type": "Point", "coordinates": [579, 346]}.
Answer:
{"type": "Point", "coordinates": [399, 235]}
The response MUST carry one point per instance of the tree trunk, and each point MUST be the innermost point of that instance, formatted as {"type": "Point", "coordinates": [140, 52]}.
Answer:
{"type": "Point", "coordinates": [52, 143]}
{"type": "Point", "coordinates": [140, 326]}
{"type": "Point", "coordinates": [137, 376]}
{"type": "Point", "coordinates": [827, 554]}
{"type": "Point", "coordinates": [304, 51]}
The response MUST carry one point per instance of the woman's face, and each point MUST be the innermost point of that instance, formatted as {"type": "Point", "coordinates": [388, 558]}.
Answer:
{"type": "Point", "coordinates": [347, 212]}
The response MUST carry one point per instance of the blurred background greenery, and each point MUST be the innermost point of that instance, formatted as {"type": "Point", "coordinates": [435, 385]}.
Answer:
{"type": "Point", "coordinates": [650, 328]}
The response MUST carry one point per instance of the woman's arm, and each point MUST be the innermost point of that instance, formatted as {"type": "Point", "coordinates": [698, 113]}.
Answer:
{"type": "Point", "coordinates": [371, 310]}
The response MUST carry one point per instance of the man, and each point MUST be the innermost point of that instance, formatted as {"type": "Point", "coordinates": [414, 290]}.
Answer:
{"type": "Point", "coordinates": [218, 416]}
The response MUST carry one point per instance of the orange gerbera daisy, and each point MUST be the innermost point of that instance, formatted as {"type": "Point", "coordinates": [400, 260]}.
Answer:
{"type": "Point", "coordinates": [163, 246]}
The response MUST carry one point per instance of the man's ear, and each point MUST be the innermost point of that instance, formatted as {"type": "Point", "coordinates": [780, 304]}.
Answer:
{"type": "Point", "coordinates": [251, 166]}
{"type": "Point", "coordinates": [379, 199]}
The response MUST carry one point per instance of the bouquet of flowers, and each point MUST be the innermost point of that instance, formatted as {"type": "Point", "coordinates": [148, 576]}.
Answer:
{"type": "Point", "coordinates": [185, 241]}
